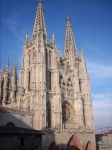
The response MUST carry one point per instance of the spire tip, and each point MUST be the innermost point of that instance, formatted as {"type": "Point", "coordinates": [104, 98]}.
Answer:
{"type": "Point", "coordinates": [68, 19]}
{"type": "Point", "coordinates": [40, 1]}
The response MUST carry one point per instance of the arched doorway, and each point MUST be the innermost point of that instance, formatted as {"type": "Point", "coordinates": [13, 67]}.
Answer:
{"type": "Point", "coordinates": [10, 124]}
{"type": "Point", "coordinates": [53, 146]}
{"type": "Point", "coordinates": [74, 143]}
{"type": "Point", "coordinates": [89, 146]}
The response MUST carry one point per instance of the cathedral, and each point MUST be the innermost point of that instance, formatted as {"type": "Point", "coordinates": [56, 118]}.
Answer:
{"type": "Point", "coordinates": [52, 93]}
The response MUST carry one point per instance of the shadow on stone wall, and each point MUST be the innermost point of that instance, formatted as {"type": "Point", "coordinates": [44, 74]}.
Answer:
{"type": "Point", "coordinates": [17, 117]}
{"type": "Point", "coordinates": [8, 116]}
{"type": "Point", "coordinates": [16, 134]}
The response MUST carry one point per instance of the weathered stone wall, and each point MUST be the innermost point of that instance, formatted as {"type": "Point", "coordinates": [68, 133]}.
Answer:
{"type": "Point", "coordinates": [19, 118]}
{"type": "Point", "coordinates": [61, 139]}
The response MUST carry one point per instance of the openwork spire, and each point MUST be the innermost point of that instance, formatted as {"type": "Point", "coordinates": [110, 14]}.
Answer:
{"type": "Point", "coordinates": [70, 45]}
{"type": "Point", "coordinates": [39, 25]}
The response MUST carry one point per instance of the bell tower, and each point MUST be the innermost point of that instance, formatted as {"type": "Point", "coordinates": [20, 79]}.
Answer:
{"type": "Point", "coordinates": [33, 72]}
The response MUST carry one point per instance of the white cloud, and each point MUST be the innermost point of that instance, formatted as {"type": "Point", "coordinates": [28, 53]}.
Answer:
{"type": "Point", "coordinates": [105, 96]}
{"type": "Point", "coordinates": [102, 102]}
{"type": "Point", "coordinates": [99, 71]}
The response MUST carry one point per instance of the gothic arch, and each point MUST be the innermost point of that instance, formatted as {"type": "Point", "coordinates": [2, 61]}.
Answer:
{"type": "Point", "coordinates": [89, 146]}
{"type": "Point", "coordinates": [29, 58]}
{"type": "Point", "coordinates": [74, 143]}
{"type": "Point", "coordinates": [68, 112]}
{"type": "Point", "coordinates": [10, 124]}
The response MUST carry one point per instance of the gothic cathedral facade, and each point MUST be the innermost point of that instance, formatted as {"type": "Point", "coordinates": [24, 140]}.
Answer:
{"type": "Point", "coordinates": [53, 91]}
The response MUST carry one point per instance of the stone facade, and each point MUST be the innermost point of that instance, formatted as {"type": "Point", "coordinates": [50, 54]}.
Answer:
{"type": "Point", "coordinates": [53, 90]}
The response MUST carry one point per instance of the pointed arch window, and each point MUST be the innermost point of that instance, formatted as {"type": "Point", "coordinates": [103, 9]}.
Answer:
{"type": "Point", "coordinates": [2, 84]}
{"type": "Point", "coordinates": [29, 78]}
{"type": "Point", "coordinates": [50, 59]}
{"type": "Point", "coordinates": [79, 85]}
{"type": "Point", "coordinates": [49, 78]}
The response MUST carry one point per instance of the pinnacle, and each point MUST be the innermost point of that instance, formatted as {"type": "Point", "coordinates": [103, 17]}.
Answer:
{"type": "Point", "coordinates": [68, 19]}
{"type": "Point", "coordinates": [68, 22]}
{"type": "Point", "coordinates": [7, 60]}
{"type": "Point", "coordinates": [40, 1]}
{"type": "Point", "coordinates": [26, 35]}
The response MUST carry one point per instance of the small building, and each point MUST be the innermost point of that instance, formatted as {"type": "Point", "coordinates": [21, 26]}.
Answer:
{"type": "Point", "coordinates": [16, 138]}
{"type": "Point", "coordinates": [104, 141]}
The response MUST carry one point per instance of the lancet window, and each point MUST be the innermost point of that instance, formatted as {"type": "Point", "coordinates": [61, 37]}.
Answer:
{"type": "Point", "coordinates": [2, 84]}
{"type": "Point", "coordinates": [49, 79]}
{"type": "Point", "coordinates": [29, 78]}
{"type": "Point", "coordinates": [79, 85]}
{"type": "Point", "coordinates": [50, 59]}
{"type": "Point", "coordinates": [62, 85]}
{"type": "Point", "coordinates": [66, 87]}
{"type": "Point", "coordinates": [49, 114]}
{"type": "Point", "coordinates": [70, 91]}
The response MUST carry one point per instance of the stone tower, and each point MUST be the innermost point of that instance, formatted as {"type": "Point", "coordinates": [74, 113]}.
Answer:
{"type": "Point", "coordinates": [53, 91]}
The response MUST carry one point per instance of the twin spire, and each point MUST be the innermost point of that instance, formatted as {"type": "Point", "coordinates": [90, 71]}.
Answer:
{"type": "Point", "coordinates": [13, 70]}
{"type": "Point", "coordinates": [39, 26]}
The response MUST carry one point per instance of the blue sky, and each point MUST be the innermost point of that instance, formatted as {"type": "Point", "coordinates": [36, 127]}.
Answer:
{"type": "Point", "coordinates": [92, 26]}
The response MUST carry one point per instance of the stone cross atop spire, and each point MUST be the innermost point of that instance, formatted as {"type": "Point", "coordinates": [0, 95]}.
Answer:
{"type": "Point", "coordinates": [39, 24]}
{"type": "Point", "coordinates": [70, 45]}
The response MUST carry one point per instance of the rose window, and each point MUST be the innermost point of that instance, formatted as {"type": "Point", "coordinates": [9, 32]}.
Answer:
{"type": "Point", "coordinates": [66, 113]}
